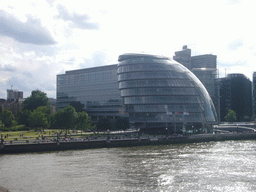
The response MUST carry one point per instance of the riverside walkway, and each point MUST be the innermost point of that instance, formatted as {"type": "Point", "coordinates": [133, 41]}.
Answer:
{"type": "Point", "coordinates": [117, 141]}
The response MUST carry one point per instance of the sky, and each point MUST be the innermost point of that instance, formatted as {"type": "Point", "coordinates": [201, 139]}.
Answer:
{"type": "Point", "coordinates": [41, 39]}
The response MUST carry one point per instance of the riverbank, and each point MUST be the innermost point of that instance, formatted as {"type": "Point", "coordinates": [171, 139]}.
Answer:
{"type": "Point", "coordinates": [120, 142]}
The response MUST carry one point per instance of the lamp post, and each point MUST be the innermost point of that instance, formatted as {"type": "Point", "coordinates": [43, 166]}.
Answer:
{"type": "Point", "coordinates": [57, 138]}
{"type": "Point", "coordinates": [166, 126]}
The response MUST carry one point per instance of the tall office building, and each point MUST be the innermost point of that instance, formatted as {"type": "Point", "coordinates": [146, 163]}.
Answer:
{"type": "Point", "coordinates": [254, 95]}
{"type": "Point", "coordinates": [204, 67]}
{"type": "Point", "coordinates": [236, 94]}
{"type": "Point", "coordinates": [183, 57]}
{"type": "Point", "coordinates": [204, 61]}
{"type": "Point", "coordinates": [96, 88]}
{"type": "Point", "coordinates": [208, 77]}
{"type": "Point", "coordinates": [14, 94]}
{"type": "Point", "coordinates": [199, 61]}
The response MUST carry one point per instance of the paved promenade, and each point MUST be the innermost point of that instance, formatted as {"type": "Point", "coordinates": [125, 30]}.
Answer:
{"type": "Point", "coordinates": [119, 141]}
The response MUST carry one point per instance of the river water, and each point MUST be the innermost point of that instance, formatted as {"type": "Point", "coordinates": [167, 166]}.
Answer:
{"type": "Point", "coordinates": [212, 166]}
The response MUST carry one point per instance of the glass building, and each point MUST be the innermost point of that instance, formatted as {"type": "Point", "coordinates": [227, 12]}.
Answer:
{"type": "Point", "coordinates": [159, 93]}
{"type": "Point", "coordinates": [96, 88]}
{"type": "Point", "coordinates": [208, 77]}
{"type": "Point", "coordinates": [254, 96]}
{"type": "Point", "coordinates": [236, 94]}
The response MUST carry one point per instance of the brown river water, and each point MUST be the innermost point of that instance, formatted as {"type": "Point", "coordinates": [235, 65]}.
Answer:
{"type": "Point", "coordinates": [210, 166]}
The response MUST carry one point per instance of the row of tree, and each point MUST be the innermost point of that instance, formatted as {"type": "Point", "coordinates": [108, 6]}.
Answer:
{"type": "Point", "coordinates": [36, 114]}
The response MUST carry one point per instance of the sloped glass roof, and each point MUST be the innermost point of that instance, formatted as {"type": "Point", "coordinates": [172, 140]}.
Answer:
{"type": "Point", "coordinates": [154, 86]}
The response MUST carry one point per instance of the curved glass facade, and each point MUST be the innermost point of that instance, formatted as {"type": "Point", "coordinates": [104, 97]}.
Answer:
{"type": "Point", "coordinates": [158, 91]}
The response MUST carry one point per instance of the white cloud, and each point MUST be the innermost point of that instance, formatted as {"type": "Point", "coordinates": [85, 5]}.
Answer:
{"type": "Point", "coordinates": [78, 20]}
{"type": "Point", "coordinates": [59, 36]}
{"type": "Point", "coordinates": [30, 32]}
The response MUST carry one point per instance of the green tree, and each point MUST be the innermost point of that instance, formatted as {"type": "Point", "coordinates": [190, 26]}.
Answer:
{"type": "Point", "coordinates": [231, 116]}
{"type": "Point", "coordinates": [23, 118]}
{"type": "Point", "coordinates": [38, 119]}
{"type": "Point", "coordinates": [64, 118]}
{"type": "Point", "coordinates": [46, 110]}
{"type": "Point", "coordinates": [1, 124]}
{"type": "Point", "coordinates": [36, 100]}
{"type": "Point", "coordinates": [83, 121]}
{"type": "Point", "coordinates": [79, 107]}
{"type": "Point", "coordinates": [7, 118]}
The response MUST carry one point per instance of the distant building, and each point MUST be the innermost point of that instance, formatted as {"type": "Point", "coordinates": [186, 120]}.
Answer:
{"type": "Point", "coordinates": [15, 100]}
{"type": "Point", "coordinates": [13, 103]}
{"type": "Point", "coordinates": [204, 67]}
{"type": "Point", "coordinates": [204, 61]}
{"type": "Point", "coordinates": [236, 94]}
{"type": "Point", "coordinates": [14, 94]}
{"type": "Point", "coordinates": [208, 77]}
{"type": "Point", "coordinates": [254, 94]}
{"type": "Point", "coordinates": [183, 57]}
{"type": "Point", "coordinates": [199, 61]}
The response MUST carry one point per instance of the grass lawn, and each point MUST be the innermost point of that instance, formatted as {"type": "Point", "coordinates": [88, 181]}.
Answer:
{"type": "Point", "coordinates": [28, 134]}
{"type": "Point", "coordinates": [24, 135]}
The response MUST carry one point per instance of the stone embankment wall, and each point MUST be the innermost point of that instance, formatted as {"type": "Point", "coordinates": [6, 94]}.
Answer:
{"type": "Point", "coordinates": [41, 147]}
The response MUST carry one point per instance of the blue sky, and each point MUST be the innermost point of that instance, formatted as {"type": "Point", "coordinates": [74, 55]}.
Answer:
{"type": "Point", "coordinates": [40, 39]}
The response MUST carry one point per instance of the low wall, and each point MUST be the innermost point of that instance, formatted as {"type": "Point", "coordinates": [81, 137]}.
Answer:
{"type": "Point", "coordinates": [41, 147]}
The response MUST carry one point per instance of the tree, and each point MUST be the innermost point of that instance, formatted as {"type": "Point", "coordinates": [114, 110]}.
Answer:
{"type": "Point", "coordinates": [83, 121]}
{"type": "Point", "coordinates": [38, 119]}
{"type": "Point", "coordinates": [24, 117]}
{"type": "Point", "coordinates": [79, 107]}
{"type": "Point", "coordinates": [231, 116]}
{"type": "Point", "coordinates": [64, 118]}
{"type": "Point", "coordinates": [36, 100]}
{"type": "Point", "coordinates": [7, 118]}
{"type": "Point", "coordinates": [45, 109]}
{"type": "Point", "coordinates": [1, 124]}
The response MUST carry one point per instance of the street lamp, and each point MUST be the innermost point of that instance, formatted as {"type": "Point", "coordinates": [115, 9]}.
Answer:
{"type": "Point", "coordinates": [167, 114]}
{"type": "Point", "coordinates": [57, 137]}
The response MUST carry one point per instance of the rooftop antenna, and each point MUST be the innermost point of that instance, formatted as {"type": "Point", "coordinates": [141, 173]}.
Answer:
{"type": "Point", "coordinates": [11, 87]}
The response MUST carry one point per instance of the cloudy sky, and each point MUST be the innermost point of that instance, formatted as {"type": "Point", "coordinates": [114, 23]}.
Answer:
{"type": "Point", "coordinates": [40, 39]}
